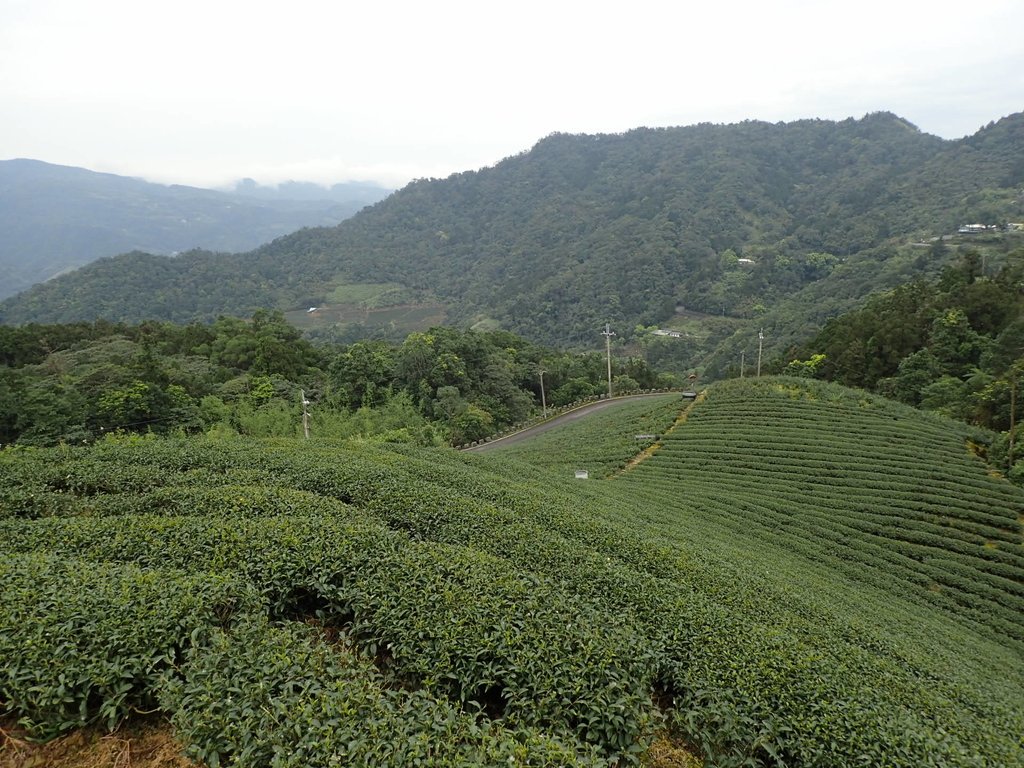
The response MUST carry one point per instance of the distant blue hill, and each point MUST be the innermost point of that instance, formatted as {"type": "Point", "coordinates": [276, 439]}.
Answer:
{"type": "Point", "coordinates": [56, 218]}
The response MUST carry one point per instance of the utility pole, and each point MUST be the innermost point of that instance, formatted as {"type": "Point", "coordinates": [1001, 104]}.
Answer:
{"type": "Point", "coordinates": [760, 343]}
{"type": "Point", "coordinates": [305, 413]}
{"type": "Point", "coordinates": [543, 401]}
{"type": "Point", "coordinates": [608, 333]}
{"type": "Point", "coordinates": [1013, 416]}
{"type": "Point", "coordinates": [743, 354]}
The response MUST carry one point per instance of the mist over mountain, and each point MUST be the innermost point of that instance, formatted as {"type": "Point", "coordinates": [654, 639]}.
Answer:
{"type": "Point", "coordinates": [355, 193]}
{"type": "Point", "coordinates": [56, 218]}
{"type": "Point", "coordinates": [732, 226]}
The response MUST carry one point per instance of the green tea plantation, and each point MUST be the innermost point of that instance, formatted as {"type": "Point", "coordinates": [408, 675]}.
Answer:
{"type": "Point", "coordinates": [795, 574]}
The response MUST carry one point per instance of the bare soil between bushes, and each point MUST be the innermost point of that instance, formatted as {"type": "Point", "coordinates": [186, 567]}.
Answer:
{"type": "Point", "coordinates": [142, 742]}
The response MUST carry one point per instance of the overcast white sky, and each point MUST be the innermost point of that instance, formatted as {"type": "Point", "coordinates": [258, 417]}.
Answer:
{"type": "Point", "coordinates": [208, 91]}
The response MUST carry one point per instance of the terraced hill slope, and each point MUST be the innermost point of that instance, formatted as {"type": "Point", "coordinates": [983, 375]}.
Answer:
{"type": "Point", "coordinates": [310, 602]}
{"type": "Point", "coordinates": [867, 487]}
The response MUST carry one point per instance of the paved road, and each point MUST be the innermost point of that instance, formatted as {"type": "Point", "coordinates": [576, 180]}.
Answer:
{"type": "Point", "coordinates": [560, 421]}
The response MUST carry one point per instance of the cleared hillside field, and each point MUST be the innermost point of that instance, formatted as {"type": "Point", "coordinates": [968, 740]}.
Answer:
{"type": "Point", "coordinates": [600, 443]}
{"type": "Point", "coordinates": [315, 603]}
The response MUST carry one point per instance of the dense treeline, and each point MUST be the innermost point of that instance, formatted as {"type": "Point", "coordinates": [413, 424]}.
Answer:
{"type": "Point", "coordinates": [77, 382]}
{"type": "Point", "coordinates": [803, 314]}
{"type": "Point", "coordinates": [953, 345]}
{"type": "Point", "coordinates": [583, 230]}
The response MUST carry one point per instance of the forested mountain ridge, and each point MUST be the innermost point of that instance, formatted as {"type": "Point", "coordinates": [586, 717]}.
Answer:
{"type": "Point", "coordinates": [715, 219]}
{"type": "Point", "coordinates": [55, 218]}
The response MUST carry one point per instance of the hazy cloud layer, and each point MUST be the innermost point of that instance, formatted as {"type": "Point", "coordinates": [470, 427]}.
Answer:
{"type": "Point", "coordinates": [204, 93]}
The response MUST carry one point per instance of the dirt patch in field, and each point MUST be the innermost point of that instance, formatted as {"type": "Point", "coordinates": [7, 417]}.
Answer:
{"type": "Point", "coordinates": [148, 742]}
{"type": "Point", "coordinates": [141, 743]}
{"type": "Point", "coordinates": [667, 752]}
